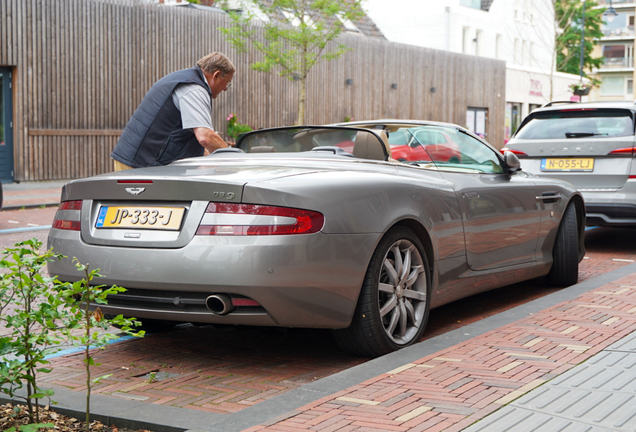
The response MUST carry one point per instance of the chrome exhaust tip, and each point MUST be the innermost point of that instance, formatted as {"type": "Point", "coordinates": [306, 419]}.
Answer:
{"type": "Point", "coordinates": [219, 304]}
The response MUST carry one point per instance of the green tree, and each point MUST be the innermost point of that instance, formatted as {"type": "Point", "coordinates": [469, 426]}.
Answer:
{"type": "Point", "coordinates": [293, 36]}
{"type": "Point", "coordinates": [80, 296]}
{"type": "Point", "coordinates": [33, 323]}
{"type": "Point", "coordinates": [568, 15]}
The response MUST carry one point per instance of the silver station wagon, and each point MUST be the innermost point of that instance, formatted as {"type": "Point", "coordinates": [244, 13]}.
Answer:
{"type": "Point", "coordinates": [317, 226]}
{"type": "Point", "coordinates": [590, 145]}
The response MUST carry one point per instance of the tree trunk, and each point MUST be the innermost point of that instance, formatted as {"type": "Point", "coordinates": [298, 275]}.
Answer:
{"type": "Point", "coordinates": [302, 91]}
{"type": "Point", "coordinates": [302, 95]}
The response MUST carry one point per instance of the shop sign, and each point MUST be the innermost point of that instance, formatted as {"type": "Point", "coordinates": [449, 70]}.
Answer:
{"type": "Point", "coordinates": [536, 88]}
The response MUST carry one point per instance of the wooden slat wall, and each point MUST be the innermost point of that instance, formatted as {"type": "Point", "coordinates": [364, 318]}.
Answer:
{"type": "Point", "coordinates": [83, 66]}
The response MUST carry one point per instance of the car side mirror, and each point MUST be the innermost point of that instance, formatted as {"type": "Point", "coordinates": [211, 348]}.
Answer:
{"type": "Point", "coordinates": [513, 164]}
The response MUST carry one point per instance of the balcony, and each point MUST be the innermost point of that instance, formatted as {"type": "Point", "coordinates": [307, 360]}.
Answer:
{"type": "Point", "coordinates": [615, 2]}
{"type": "Point", "coordinates": [619, 32]}
{"type": "Point", "coordinates": [618, 63]}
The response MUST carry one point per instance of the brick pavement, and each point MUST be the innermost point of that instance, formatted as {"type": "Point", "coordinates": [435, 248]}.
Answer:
{"type": "Point", "coordinates": [31, 194]}
{"type": "Point", "coordinates": [455, 387]}
{"type": "Point", "coordinates": [228, 369]}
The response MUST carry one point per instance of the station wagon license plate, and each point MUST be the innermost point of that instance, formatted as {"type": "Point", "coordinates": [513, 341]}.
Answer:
{"type": "Point", "coordinates": [158, 218]}
{"type": "Point", "coordinates": [567, 164]}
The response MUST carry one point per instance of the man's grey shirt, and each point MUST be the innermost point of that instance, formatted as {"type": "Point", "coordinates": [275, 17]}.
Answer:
{"type": "Point", "coordinates": [194, 104]}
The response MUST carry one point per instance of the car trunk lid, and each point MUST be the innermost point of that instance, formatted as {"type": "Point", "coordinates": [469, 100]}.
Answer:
{"type": "Point", "coordinates": [148, 208]}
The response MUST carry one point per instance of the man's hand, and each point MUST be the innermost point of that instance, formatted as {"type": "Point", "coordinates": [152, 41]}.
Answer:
{"type": "Point", "coordinates": [209, 139]}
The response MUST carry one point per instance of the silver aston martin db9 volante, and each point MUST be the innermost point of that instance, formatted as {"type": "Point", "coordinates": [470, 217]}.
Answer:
{"type": "Point", "coordinates": [318, 226]}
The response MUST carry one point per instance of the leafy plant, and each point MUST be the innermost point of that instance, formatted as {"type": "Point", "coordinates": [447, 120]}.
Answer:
{"type": "Point", "coordinates": [234, 128]}
{"type": "Point", "coordinates": [293, 38]}
{"type": "Point", "coordinates": [32, 324]}
{"type": "Point", "coordinates": [152, 378]}
{"type": "Point", "coordinates": [33, 427]}
{"type": "Point", "coordinates": [80, 296]}
{"type": "Point", "coordinates": [44, 311]}
{"type": "Point", "coordinates": [569, 17]}
{"type": "Point", "coordinates": [580, 86]}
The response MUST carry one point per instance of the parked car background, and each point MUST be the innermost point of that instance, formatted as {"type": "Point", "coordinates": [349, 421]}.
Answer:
{"type": "Point", "coordinates": [590, 145]}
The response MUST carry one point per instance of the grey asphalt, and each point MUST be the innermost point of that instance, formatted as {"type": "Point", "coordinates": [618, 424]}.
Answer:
{"type": "Point", "coordinates": [598, 401]}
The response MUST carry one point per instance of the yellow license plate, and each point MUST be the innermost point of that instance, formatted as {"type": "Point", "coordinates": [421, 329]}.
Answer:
{"type": "Point", "coordinates": [567, 164]}
{"type": "Point", "coordinates": [159, 218]}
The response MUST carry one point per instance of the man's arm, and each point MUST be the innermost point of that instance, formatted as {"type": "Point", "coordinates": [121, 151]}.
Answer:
{"type": "Point", "coordinates": [209, 139]}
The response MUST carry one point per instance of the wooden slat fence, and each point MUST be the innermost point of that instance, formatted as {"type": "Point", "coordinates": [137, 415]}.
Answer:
{"type": "Point", "coordinates": [81, 67]}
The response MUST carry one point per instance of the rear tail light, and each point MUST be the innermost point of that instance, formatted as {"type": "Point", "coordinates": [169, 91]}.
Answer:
{"type": "Point", "coordinates": [68, 224]}
{"type": "Point", "coordinates": [625, 151]}
{"type": "Point", "coordinates": [249, 219]}
{"type": "Point", "coordinates": [517, 152]}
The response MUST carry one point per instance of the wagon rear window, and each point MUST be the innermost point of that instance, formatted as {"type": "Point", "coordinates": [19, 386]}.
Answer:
{"type": "Point", "coordinates": [578, 124]}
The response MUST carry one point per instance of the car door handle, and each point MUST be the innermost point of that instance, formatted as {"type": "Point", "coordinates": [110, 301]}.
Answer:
{"type": "Point", "coordinates": [470, 195]}
{"type": "Point", "coordinates": [550, 197]}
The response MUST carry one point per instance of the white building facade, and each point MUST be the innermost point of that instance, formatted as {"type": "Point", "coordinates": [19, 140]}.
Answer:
{"type": "Point", "coordinates": [617, 49]}
{"type": "Point", "coordinates": [519, 32]}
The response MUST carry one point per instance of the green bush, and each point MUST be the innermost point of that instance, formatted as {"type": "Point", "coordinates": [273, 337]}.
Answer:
{"type": "Point", "coordinates": [234, 128]}
{"type": "Point", "coordinates": [45, 311]}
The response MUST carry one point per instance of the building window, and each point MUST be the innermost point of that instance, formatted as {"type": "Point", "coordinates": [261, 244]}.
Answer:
{"type": "Point", "coordinates": [498, 47]}
{"type": "Point", "coordinates": [630, 86]}
{"type": "Point", "coordinates": [476, 119]}
{"type": "Point", "coordinates": [465, 40]}
{"type": "Point", "coordinates": [612, 86]}
{"type": "Point", "coordinates": [513, 119]}
{"type": "Point", "coordinates": [524, 53]}
{"type": "Point", "coordinates": [615, 56]}
{"type": "Point", "coordinates": [475, 4]}
{"type": "Point", "coordinates": [478, 42]}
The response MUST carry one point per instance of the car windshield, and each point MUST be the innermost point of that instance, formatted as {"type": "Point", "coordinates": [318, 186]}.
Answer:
{"type": "Point", "coordinates": [601, 123]}
{"type": "Point", "coordinates": [446, 148]}
{"type": "Point", "coordinates": [360, 143]}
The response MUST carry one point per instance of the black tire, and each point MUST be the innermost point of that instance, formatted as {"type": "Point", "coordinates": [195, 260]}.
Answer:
{"type": "Point", "coordinates": [565, 253]}
{"type": "Point", "coordinates": [148, 325]}
{"type": "Point", "coordinates": [393, 306]}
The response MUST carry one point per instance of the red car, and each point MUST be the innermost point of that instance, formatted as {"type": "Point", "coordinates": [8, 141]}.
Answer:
{"type": "Point", "coordinates": [424, 145]}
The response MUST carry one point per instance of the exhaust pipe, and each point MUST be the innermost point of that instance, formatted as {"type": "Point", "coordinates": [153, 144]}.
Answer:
{"type": "Point", "coordinates": [219, 304]}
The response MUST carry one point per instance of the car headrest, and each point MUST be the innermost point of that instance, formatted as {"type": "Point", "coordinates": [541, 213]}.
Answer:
{"type": "Point", "coordinates": [370, 145]}
{"type": "Point", "coordinates": [263, 149]}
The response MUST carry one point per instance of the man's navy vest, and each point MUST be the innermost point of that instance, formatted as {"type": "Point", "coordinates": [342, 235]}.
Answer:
{"type": "Point", "coordinates": [154, 134]}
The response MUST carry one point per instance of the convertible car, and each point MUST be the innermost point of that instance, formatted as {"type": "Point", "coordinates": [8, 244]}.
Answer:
{"type": "Point", "coordinates": [318, 226]}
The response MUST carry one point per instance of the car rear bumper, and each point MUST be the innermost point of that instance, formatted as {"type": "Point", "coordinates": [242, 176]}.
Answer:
{"type": "Point", "coordinates": [296, 280]}
{"type": "Point", "coordinates": [610, 214]}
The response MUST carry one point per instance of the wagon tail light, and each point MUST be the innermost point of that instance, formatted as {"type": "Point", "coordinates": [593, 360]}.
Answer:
{"type": "Point", "coordinates": [623, 151]}
{"type": "Point", "coordinates": [249, 219]}
{"type": "Point", "coordinates": [517, 152]}
{"type": "Point", "coordinates": [64, 219]}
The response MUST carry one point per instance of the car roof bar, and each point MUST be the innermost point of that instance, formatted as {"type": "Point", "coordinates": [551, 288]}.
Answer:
{"type": "Point", "coordinates": [556, 102]}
